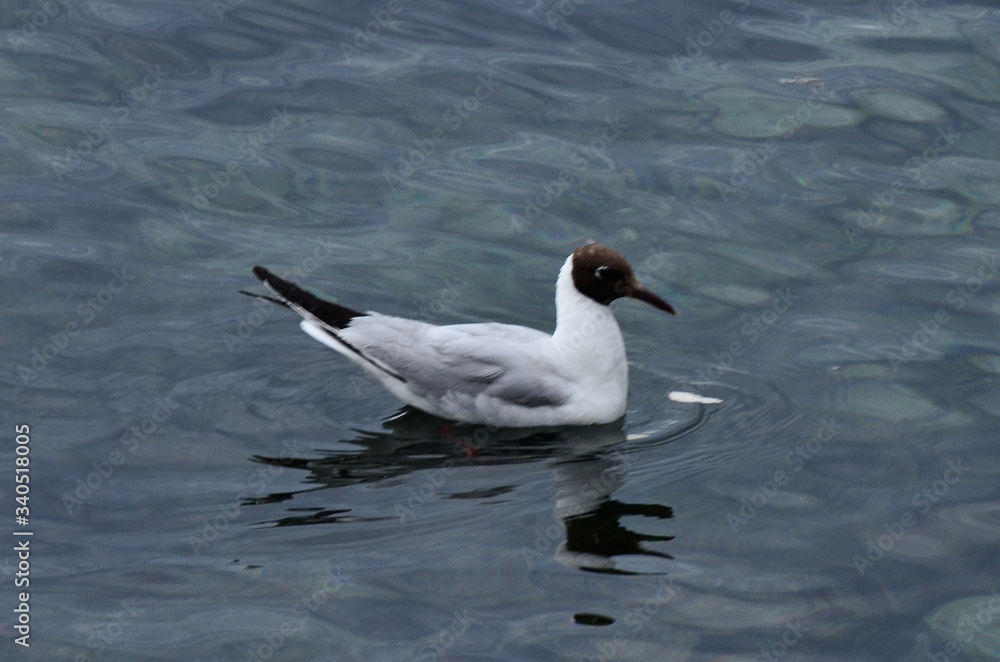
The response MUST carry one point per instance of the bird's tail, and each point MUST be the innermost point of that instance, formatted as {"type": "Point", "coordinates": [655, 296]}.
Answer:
{"type": "Point", "coordinates": [310, 306]}
{"type": "Point", "coordinates": [264, 297]}
{"type": "Point", "coordinates": [323, 319]}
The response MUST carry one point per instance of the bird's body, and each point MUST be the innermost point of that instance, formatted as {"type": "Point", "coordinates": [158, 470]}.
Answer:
{"type": "Point", "coordinates": [495, 374]}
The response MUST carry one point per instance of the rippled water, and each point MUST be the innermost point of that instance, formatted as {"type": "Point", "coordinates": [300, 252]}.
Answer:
{"type": "Point", "coordinates": [814, 185]}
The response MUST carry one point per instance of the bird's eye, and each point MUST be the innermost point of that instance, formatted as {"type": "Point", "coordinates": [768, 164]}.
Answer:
{"type": "Point", "coordinates": [600, 272]}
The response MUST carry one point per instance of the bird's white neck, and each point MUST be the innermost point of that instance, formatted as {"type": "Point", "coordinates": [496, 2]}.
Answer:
{"type": "Point", "coordinates": [587, 335]}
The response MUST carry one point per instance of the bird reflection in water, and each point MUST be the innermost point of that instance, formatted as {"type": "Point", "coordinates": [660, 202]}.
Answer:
{"type": "Point", "coordinates": [586, 462]}
{"type": "Point", "coordinates": [594, 531]}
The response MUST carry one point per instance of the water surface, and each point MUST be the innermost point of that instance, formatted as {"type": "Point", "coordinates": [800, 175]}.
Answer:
{"type": "Point", "coordinates": [813, 185]}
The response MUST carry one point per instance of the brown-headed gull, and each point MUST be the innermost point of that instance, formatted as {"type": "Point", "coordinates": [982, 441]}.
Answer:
{"type": "Point", "coordinates": [495, 374]}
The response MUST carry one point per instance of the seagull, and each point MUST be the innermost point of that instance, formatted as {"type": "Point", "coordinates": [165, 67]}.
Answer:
{"type": "Point", "coordinates": [494, 374]}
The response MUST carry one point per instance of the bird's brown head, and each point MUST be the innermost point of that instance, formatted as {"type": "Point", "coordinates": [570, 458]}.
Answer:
{"type": "Point", "coordinates": [603, 274]}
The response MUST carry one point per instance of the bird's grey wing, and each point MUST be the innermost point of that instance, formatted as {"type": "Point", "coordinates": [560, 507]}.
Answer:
{"type": "Point", "coordinates": [530, 390]}
{"type": "Point", "coordinates": [463, 360]}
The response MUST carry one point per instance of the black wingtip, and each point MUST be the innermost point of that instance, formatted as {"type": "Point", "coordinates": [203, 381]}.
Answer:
{"type": "Point", "coordinates": [295, 297]}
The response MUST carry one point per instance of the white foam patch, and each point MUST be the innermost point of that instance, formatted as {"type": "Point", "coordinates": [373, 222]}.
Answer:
{"type": "Point", "coordinates": [692, 398]}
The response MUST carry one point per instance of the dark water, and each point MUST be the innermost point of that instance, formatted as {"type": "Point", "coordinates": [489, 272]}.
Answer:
{"type": "Point", "coordinates": [816, 186]}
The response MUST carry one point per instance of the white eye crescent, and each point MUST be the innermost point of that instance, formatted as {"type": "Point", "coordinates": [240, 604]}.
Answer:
{"type": "Point", "coordinates": [599, 273]}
